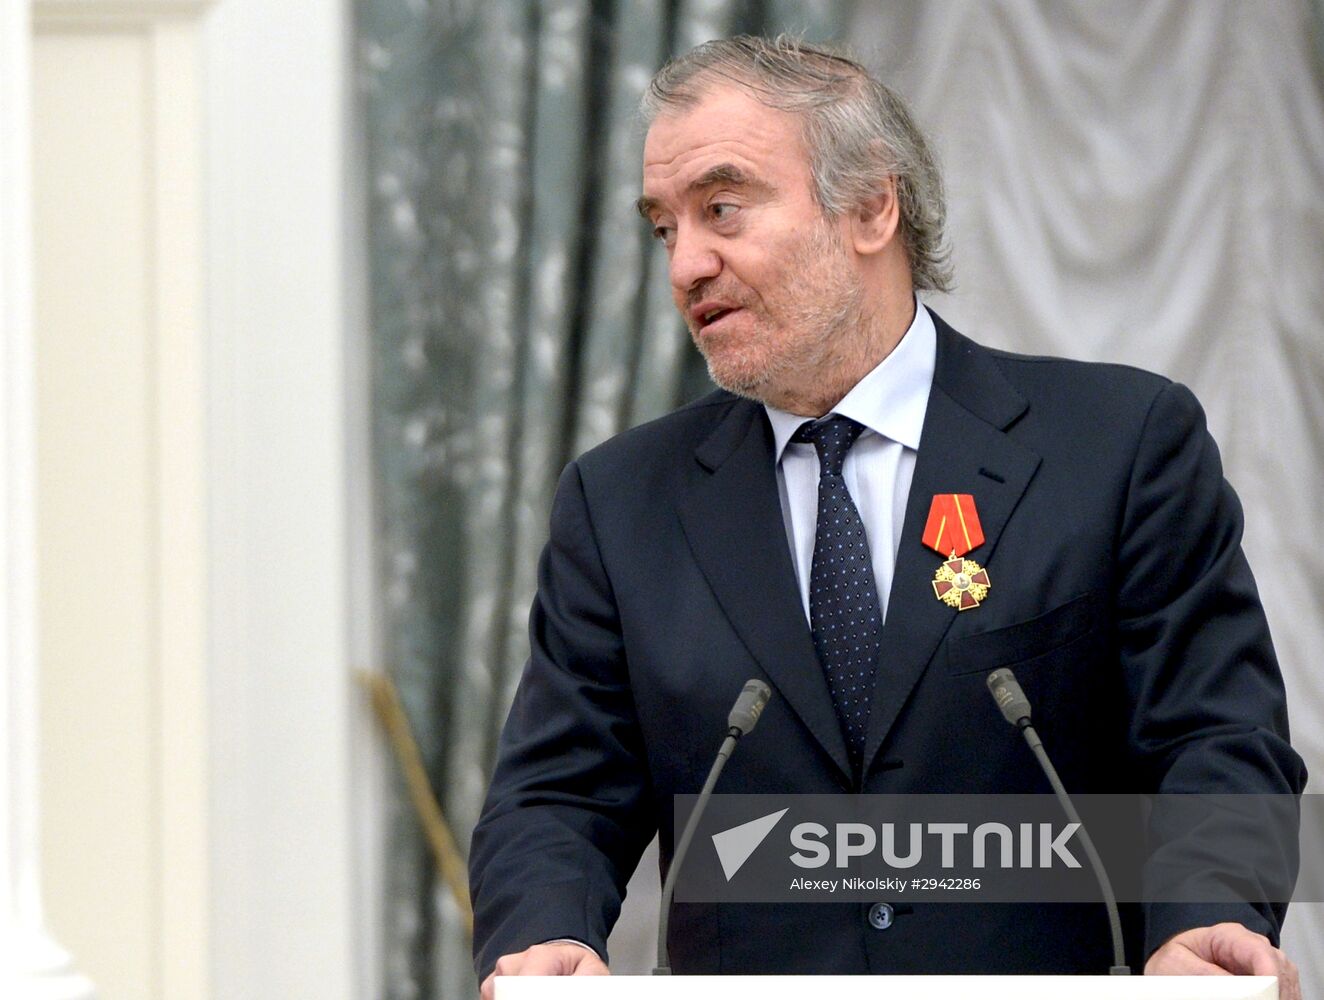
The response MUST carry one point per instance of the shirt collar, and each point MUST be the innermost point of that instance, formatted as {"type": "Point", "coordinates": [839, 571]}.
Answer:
{"type": "Point", "coordinates": [892, 399]}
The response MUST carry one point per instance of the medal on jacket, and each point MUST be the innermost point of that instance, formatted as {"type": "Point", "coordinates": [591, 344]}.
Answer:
{"type": "Point", "coordinates": [953, 530]}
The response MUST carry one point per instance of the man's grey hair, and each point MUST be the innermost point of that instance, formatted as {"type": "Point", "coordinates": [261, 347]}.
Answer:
{"type": "Point", "coordinates": [857, 131]}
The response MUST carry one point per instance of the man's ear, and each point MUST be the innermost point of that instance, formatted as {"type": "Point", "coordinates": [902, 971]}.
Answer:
{"type": "Point", "coordinates": [874, 223]}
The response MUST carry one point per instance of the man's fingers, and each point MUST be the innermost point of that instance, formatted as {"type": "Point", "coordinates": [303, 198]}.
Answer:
{"type": "Point", "coordinates": [1243, 951]}
{"type": "Point", "coordinates": [546, 960]}
{"type": "Point", "coordinates": [507, 965]}
{"type": "Point", "coordinates": [550, 960]}
{"type": "Point", "coordinates": [1175, 959]}
{"type": "Point", "coordinates": [1270, 961]}
{"type": "Point", "coordinates": [1289, 983]}
{"type": "Point", "coordinates": [1225, 949]}
{"type": "Point", "coordinates": [591, 965]}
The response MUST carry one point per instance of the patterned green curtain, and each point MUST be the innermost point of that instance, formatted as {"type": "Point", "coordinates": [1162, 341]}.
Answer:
{"type": "Point", "coordinates": [520, 314]}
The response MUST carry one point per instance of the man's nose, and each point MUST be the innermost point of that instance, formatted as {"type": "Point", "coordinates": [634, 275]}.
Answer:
{"type": "Point", "coordinates": [693, 259]}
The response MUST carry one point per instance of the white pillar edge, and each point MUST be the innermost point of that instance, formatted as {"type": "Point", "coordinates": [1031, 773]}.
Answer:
{"type": "Point", "coordinates": [370, 758]}
{"type": "Point", "coordinates": [289, 478]}
{"type": "Point", "coordinates": [32, 964]}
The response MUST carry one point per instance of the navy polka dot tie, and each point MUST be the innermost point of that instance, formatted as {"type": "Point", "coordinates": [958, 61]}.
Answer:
{"type": "Point", "coordinates": [843, 597]}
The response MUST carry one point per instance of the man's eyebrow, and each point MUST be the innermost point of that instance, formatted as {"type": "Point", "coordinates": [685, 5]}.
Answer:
{"type": "Point", "coordinates": [723, 173]}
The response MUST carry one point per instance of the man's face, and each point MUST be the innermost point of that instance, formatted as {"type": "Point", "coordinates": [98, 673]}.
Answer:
{"type": "Point", "coordinates": [762, 278]}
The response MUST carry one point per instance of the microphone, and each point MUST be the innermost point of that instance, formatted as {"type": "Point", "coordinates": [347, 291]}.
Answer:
{"type": "Point", "coordinates": [748, 707]}
{"type": "Point", "coordinates": [744, 714]}
{"type": "Point", "coordinates": [1015, 707]}
{"type": "Point", "coordinates": [1011, 699]}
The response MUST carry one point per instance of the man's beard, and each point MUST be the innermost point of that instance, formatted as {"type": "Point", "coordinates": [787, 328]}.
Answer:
{"type": "Point", "coordinates": [822, 320]}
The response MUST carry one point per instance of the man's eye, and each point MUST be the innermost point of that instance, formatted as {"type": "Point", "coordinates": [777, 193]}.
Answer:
{"type": "Point", "coordinates": [665, 235]}
{"type": "Point", "coordinates": [722, 210]}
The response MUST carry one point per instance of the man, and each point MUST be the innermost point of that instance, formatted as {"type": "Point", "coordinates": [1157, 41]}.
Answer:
{"type": "Point", "coordinates": [801, 210]}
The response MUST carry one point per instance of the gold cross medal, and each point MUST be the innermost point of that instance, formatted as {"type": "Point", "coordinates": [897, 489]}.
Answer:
{"type": "Point", "coordinates": [953, 529]}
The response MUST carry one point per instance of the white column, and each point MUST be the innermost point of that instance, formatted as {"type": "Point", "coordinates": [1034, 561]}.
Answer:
{"type": "Point", "coordinates": [296, 761]}
{"type": "Point", "coordinates": [32, 964]}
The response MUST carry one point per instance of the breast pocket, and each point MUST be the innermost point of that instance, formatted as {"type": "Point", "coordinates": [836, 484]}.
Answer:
{"type": "Point", "coordinates": [980, 652]}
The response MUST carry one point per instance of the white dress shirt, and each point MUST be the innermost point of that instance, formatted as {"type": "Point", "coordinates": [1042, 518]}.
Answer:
{"type": "Point", "coordinates": [890, 402]}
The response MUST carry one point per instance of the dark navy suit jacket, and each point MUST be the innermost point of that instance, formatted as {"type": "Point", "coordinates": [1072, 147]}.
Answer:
{"type": "Point", "coordinates": [1120, 595]}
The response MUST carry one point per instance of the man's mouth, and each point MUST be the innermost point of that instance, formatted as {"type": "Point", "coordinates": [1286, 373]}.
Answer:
{"type": "Point", "coordinates": [711, 317]}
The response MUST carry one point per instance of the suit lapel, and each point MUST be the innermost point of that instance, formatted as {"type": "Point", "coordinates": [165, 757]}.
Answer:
{"type": "Point", "coordinates": [963, 449]}
{"type": "Point", "coordinates": [733, 522]}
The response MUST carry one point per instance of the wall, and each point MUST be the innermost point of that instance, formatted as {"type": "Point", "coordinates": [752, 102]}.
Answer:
{"type": "Point", "coordinates": [209, 768]}
{"type": "Point", "coordinates": [121, 547]}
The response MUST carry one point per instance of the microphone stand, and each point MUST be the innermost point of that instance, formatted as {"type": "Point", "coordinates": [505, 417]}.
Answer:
{"type": "Point", "coordinates": [1006, 691]}
{"type": "Point", "coordinates": [748, 708]}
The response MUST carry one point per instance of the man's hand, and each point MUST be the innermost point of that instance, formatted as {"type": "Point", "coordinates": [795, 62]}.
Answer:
{"type": "Point", "coordinates": [1225, 950]}
{"type": "Point", "coordinates": [557, 959]}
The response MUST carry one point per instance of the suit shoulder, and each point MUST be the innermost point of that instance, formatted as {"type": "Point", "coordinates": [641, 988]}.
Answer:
{"type": "Point", "coordinates": [1054, 401]}
{"type": "Point", "coordinates": [1049, 384]}
{"type": "Point", "coordinates": [1038, 371]}
{"type": "Point", "coordinates": [678, 432]}
{"type": "Point", "coordinates": [1089, 395]}
{"type": "Point", "coordinates": [1071, 401]}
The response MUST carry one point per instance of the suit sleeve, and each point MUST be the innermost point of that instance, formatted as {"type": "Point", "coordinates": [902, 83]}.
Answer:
{"type": "Point", "coordinates": [569, 809]}
{"type": "Point", "coordinates": [1209, 711]}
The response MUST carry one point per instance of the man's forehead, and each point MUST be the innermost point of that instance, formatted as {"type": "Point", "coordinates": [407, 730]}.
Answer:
{"type": "Point", "coordinates": [726, 114]}
{"type": "Point", "coordinates": [725, 128]}
{"type": "Point", "coordinates": [689, 161]}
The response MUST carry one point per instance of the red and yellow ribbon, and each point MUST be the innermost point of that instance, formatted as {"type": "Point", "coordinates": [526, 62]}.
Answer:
{"type": "Point", "coordinates": [953, 527]}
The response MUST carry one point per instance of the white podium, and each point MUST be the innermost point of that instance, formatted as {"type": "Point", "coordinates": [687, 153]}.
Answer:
{"type": "Point", "coordinates": [890, 987]}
